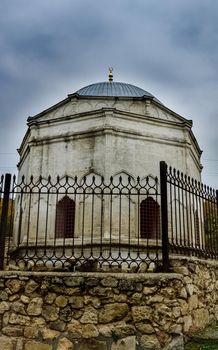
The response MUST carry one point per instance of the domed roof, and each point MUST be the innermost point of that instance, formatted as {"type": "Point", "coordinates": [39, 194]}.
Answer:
{"type": "Point", "coordinates": [113, 89]}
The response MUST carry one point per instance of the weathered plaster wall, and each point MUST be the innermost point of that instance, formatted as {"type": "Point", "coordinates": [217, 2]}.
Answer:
{"type": "Point", "coordinates": [108, 136]}
{"type": "Point", "coordinates": [106, 311]}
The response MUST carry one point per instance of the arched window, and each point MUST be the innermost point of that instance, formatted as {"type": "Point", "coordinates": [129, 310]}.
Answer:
{"type": "Point", "coordinates": [149, 218]}
{"type": "Point", "coordinates": [65, 218]}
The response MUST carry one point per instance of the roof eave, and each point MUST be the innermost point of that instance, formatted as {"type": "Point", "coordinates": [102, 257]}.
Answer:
{"type": "Point", "coordinates": [50, 109]}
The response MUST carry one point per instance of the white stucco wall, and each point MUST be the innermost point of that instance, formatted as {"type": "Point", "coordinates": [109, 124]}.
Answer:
{"type": "Point", "coordinates": [105, 137]}
{"type": "Point", "coordinates": [108, 140]}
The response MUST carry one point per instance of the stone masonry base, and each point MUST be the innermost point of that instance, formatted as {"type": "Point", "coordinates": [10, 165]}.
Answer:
{"type": "Point", "coordinates": [107, 311]}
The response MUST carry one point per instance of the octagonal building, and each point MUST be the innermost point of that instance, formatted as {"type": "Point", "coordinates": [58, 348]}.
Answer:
{"type": "Point", "coordinates": [107, 131]}
{"type": "Point", "coordinates": [108, 128]}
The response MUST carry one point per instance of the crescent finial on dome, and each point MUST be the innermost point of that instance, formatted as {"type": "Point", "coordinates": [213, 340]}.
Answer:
{"type": "Point", "coordinates": [110, 74]}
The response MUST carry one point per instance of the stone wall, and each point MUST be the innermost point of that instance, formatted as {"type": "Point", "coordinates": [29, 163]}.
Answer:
{"type": "Point", "coordinates": [106, 311]}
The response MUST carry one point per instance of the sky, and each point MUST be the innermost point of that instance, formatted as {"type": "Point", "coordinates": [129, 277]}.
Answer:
{"type": "Point", "coordinates": [50, 48]}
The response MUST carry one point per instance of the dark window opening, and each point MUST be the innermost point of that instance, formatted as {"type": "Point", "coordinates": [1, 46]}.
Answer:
{"type": "Point", "coordinates": [65, 218]}
{"type": "Point", "coordinates": [149, 218]}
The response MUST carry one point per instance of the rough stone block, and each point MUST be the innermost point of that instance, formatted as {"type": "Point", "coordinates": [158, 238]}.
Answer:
{"type": "Point", "coordinates": [58, 325]}
{"type": "Point", "coordinates": [49, 333]}
{"type": "Point", "coordinates": [168, 292]}
{"type": "Point", "coordinates": [136, 299]}
{"type": "Point", "coordinates": [92, 300]}
{"type": "Point", "coordinates": [176, 311]}
{"type": "Point", "coordinates": [92, 344]}
{"type": "Point", "coordinates": [33, 345]}
{"type": "Point", "coordinates": [76, 302]}
{"type": "Point", "coordinates": [90, 315]}
{"type": "Point", "coordinates": [183, 306]}
{"type": "Point", "coordinates": [38, 321]}
{"type": "Point", "coordinates": [150, 342]}
{"type": "Point", "coordinates": [4, 306]}
{"type": "Point", "coordinates": [19, 345]}
{"type": "Point", "coordinates": [50, 297]}
{"type": "Point", "coordinates": [187, 323]}
{"type": "Point", "coordinates": [57, 280]}
{"type": "Point", "coordinates": [31, 332]}
{"type": "Point", "coordinates": [120, 298]}
{"type": "Point", "coordinates": [140, 313]}
{"type": "Point", "coordinates": [155, 299]}
{"type": "Point", "coordinates": [200, 318]}
{"type": "Point", "coordinates": [145, 328]}
{"type": "Point", "coordinates": [61, 301]}
{"type": "Point", "coordinates": [181, 269]}
{"type": "Point", "coordinates": [6, 343]}
{"type": "Point", "coordinates": [5, 319]}
{"type": "Point", "coordinates": [90, 331]}
{"type": "Point", "coordinates": [183, 293]}
{"type": "Point", "coordinates": [92, 282]}
{"type": "Point", "coordinates": [176, 344]}
{"type": "Point", "coordinates": [19, 319]}
{"type": "Point", "coordinates": [101, 292]}
{"type": "Point", "coordinates": [128, 343]}
{"type": "Point", "coordinates": [193, 302]}
{"type": "Point", "coordinates": [50, 313]}
{"type": "Point", "coordinates": [149, 290]}
{"type": "Point", "coordinates": [121, 328]}
{"type": "Point", "coordinates": [31, 286]}
{"type": "Point", "coordinates": [35, 307]}
{"type": "Point", "coordinates": [73, 281]}
{"type": "Point", "coordinates": [75, 329]}
{"type": "Point", "coordinates": [113, 312]}
{"type": "Point", "coordinates": [24, 299]}
{"type": "Point", "coordinates": [66, 314]}
{"type": "Point", "coordinates": [18, 308]}
{"type": "Point", "coordinates": [126, 285]}
{"type": "Point", "coordinates": [3, 295]}
{"type": "Point", "coordinates": [14, 297]}
{"type": "Point", "coordinates": [190, 289]}
{"type": "Point", "coordinates": [109, 282]}
{"type": "Point", "coordinates": [14, 285]}
{"type": "Point", "coordinates": [175, 329]}
{"type": "Point", "coordinates": [162, 314]}
{"type": "Point", "coordinates": [65, 344]}
{"type": "Point", "coordinates": [13, 331]}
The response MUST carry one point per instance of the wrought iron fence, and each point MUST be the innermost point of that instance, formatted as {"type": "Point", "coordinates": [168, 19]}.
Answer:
{"type": "Point", "coordinates": [6, 216]}
{"type": "Point", "coordinates": [71, 222]}
{"type": "Point", "coordinates": [1, 194]}
{"type": "Point", "coordinates": [93, 223]}
{"type": "Point", "coordinates": [192, 216]}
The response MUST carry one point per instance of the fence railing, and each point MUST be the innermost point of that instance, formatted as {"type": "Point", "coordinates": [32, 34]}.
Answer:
{"type": "Point", "coordinates": [192, 216]}
{"type": "Point", "coordinates": [70, 222]}
{"type": "Point", "coordinates": [96, 223]}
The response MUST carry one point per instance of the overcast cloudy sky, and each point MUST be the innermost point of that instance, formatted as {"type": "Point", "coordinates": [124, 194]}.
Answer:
{"type": "Point", "coordinates": [49, 48]}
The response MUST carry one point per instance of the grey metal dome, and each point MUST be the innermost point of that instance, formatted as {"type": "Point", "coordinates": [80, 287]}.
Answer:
{"type": "Point", "coordinates": [113, 89]}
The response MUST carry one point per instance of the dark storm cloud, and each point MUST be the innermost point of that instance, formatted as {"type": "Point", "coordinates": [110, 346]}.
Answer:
{"type": "Point", "coordinates": [50, 48]}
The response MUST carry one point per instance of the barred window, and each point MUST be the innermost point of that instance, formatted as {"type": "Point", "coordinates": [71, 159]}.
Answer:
{"type": "Point", "coordinates": [149, 218]}
{"type": "Point", "coordinates": [65, 218]}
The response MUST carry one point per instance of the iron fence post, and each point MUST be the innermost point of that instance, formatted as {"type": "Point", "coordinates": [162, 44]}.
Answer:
{"type": "Point", "coordinates": [4, 218]}
{"type": "Point", "coordinates": [164, 215]}
{"type": "Point", "coordinates": [216, 225]}
{"type": "Point", "coordinates": [217, 199]}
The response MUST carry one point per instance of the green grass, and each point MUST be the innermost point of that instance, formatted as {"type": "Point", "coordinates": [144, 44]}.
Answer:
{"type": "Point", "coordinates": [202, 344]}
{"type": "Point", "coordinates": [203, 340]}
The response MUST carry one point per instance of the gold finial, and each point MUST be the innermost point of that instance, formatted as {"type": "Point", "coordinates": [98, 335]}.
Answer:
{"type": "Point", "coordinates": [110, 74]}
